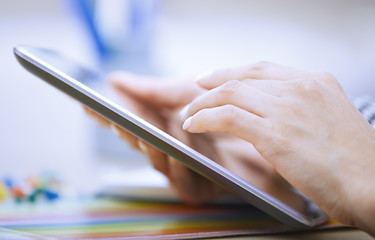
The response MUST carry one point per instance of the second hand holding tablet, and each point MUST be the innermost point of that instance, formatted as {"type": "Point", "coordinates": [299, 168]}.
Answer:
{"type": "Point", "coordinates": [71, 78]}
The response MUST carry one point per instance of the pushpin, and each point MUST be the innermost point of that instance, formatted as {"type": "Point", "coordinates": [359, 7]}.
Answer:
{"type": "Point", "coordinates": [3, 192]}
{"type": "Point", "coordinates": [18, 192]}
{"type": "Point", "coordinates": [31, 198]}
{"type": "Point", "coordinates": [35, 194]}
{"type": "Point", "coordinates": [50, 194]}
{"type": "Point", "coordinates": [18, 199]}
{"type": "Point", "coordinates": [33, 181]}
{"type": "Point", "coordinates": [8, 182]}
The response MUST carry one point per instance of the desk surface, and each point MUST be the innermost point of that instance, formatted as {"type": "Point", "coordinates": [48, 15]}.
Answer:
{"type": "Point", "coordinates": [108, 218]}
{"type": "Point", "coordinates": [342, 234]}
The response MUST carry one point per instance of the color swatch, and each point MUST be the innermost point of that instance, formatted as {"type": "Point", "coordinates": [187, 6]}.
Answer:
{"type": "Point", "coordinates": [111, 219]}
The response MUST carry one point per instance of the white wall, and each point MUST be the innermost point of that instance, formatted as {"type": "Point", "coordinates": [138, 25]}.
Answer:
{"type": "Point", "coordinates": [40, 128]}
{"type": "Point", "coordinates": [331, 35]}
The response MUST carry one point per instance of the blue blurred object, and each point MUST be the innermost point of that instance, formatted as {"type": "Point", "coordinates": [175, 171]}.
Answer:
{"type": "Point", "coordinates": [119, 27]}
{"type": "Point", "coordinates": [8, 182]}
{"type": "Point", "coordinates": [33, 188]}
{"type": "Point", "coordinates": [50, 194]}
{"type": "Point", "coordinates": [86, 9]}
{"type": "Point", "coordinates": [122, 32]}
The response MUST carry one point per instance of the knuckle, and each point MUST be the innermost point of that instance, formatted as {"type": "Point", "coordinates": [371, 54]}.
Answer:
{"type": "Point", "coordinates": [229, 116]}
{"type": "Point", "coordinates": [310, 86]}
{"type": "Point", "coordinates": [259, 66]}
{"type": "Point", "coordinates": [258, 69]}
{"type": "Point", "coordinates": [229, 89]}
{"type": "Point", "coordinates": [282, 145]}
{"type": "Point", "coordinates": [327, 78]}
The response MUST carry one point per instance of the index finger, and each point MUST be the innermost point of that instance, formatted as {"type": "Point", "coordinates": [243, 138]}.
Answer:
{"type": "Point", "coordinates": [153, 90]}
{"type": "Point", "coordinates": [260, 71]}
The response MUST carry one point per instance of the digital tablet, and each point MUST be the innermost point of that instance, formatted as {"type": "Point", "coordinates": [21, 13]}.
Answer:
{"type": "Point", "coordinates": [71, 78]}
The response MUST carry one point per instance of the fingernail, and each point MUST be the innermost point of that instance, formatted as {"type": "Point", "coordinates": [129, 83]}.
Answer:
{"type": "Point", "coordinates": [142, 146]}
{"type": "Point", "coordinates": [115, 130]}
{"type": "Point", "coordinates": [187, 123]}
{"type": "Point", "coordinates": [203, 75]}
{"type": "Point", "coordinates": [182, 114]}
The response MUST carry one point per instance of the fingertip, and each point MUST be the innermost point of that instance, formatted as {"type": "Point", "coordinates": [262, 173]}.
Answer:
{"type": "Point", "coordinates": [205, 83]}
{"type": "Point", "coordinates": [187, 124]}
{"type": "Point", "coordinates": [201, 77]}
{"type": "Point", "coordinates": [115, 130]}
{"type": "Point", "coordinates": [118, 77]}
{"type": "Point", "coordinates": [86, 109]}
{"type": "Point", "coordinates": [183, 112]}
{"type": "Point", "coordinates": [114, 76]}
{"type": "Point", "coordinates": [143, 147]}
{"type": "Point", "coordinates": [212, 79]}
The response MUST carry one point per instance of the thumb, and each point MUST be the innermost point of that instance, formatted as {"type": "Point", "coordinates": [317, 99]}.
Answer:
{"type": "Point", "coordinates": [155, 91]}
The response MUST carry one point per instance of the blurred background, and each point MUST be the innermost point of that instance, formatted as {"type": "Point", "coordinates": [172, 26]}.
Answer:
{"type": "Point", "coordinates": [41, 129]}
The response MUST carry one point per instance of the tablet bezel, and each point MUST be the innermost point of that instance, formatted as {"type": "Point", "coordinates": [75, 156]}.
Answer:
{"type": "Point", "coordinates": [27, 57]}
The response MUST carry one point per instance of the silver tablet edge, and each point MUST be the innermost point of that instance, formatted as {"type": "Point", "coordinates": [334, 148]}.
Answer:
{"type": "Point", "coordinates": [189, 156]}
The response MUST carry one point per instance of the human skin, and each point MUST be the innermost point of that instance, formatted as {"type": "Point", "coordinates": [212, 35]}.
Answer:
{"type": "Point", "coordinates": [159, 101]}
{"type": "Point", "coordinates": [304, 125]}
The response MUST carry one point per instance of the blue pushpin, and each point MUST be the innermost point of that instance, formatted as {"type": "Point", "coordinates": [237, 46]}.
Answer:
{"type": "Point", "coordinates": [50, 195]}
{"type": "Point", "coordinates": [8, 182]}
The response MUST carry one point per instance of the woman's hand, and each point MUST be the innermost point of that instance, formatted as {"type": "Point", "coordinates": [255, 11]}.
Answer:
{"type": "Point", "coordinates": [304, 125]}
{"type": "Point", "coordinates": [159, 102]}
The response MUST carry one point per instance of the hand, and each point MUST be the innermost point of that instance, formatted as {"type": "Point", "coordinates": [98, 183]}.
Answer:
{"type": "Point", "coordinates": [304, 125]}
{"type": "Point", "coordinates": [159, 102]}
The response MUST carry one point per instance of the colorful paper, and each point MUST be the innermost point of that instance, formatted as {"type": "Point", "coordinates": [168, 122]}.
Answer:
{"type": "Point", "coordinates": [110, 219]}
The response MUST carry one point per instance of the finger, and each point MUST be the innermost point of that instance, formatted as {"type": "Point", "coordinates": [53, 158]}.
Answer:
{"type": "Point", "coordinates": [126, 136]}
{"type": "Point", "coordinates": [275, 88]}
{"type": "Point", "coordinates": [234, 93]}
{"type": "Point", "coordinates": [158, 160]}
{"type": "Point", "coordinates": [261, 70]}
{"type": "Point", "coordinates": [228, 119]}
{"type": "Point", "coordinates": [155, 91]}
{"type": "Point", "coordinates": [191, 187]}
{"type": "Point", "coordinates": [99, 118]}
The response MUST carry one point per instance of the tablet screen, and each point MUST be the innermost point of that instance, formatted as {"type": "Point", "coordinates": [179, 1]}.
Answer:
{"type": "Point", "coordinates": [230, 162]}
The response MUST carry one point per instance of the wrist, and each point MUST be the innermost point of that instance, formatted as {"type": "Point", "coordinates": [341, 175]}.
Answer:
{"type": "Point", "coordinates": [358, 185]}
{"type": "Point", "coordinates": [363, 207]}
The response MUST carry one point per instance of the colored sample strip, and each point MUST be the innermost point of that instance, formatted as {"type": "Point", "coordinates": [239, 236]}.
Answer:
{"type": "Point", "coordinates": [110, 219]}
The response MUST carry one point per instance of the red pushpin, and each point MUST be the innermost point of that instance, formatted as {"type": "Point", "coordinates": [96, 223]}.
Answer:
{"type": "Point", "coordinates": [18, 192]}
